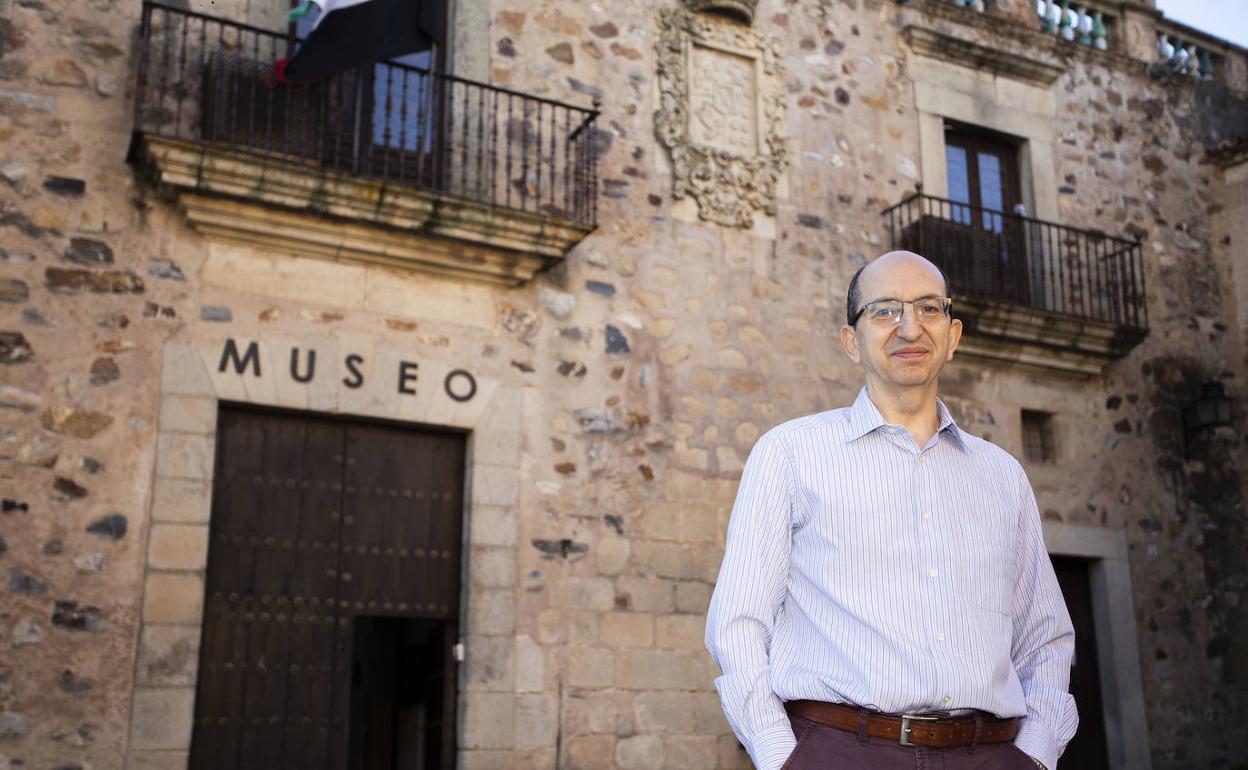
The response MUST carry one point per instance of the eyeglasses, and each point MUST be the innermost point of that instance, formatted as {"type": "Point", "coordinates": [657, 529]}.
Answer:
{"type": "Point", "coordinates": [888, 312]}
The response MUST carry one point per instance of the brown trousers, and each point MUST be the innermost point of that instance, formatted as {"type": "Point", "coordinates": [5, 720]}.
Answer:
{"type": "Point", "coordinates": [826, 748]}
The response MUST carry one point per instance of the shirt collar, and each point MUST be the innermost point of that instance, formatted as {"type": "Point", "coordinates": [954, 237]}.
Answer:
{"type": "Point", "coordinates": [864, 418]}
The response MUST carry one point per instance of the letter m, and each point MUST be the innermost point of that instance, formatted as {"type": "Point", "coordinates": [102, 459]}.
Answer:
{"type": "Point", "coordinates": [250, 358]}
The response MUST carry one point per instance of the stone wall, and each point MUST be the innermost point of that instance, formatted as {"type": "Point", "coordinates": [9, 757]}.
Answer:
{"type": "Point", "coordinates": [644, 369]}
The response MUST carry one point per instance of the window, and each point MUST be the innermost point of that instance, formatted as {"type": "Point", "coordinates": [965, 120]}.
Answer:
{"type": "Point", "coordinates": [400, 102]}
{"type": "Point", "coordinates": [982, 172]}
{"type": "Point", "coordinates": [1038, 445]}
{"type": "Point", "coordinates": [984, 244]}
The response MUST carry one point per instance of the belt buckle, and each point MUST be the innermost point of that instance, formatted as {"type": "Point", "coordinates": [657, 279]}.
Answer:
{"type": "Point", "coordinates": [906, 719]}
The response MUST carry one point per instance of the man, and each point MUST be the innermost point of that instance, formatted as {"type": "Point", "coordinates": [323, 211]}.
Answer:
{"type": "Point", "coordinates": [885, 599]}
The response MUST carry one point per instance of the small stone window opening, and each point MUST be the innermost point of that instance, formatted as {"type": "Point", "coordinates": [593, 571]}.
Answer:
{"type": "Point", "coordinates": [1038, 444]}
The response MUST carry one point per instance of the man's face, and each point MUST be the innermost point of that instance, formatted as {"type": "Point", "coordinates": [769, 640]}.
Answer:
{"type": "Point", "coordinates": [911, 352]}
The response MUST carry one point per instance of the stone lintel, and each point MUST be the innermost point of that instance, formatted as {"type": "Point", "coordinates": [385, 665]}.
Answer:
{"type": "Point", "coordinates": [941, 45]}
{"type": "Point", "coordinates": [1014, 335]}
{"type": "Point", "coordinates": [279, 205]}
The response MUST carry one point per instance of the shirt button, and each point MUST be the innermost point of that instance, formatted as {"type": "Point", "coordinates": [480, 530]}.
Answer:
{"type": "Point", "coordinates": [940, 637]}
{"type": "Point", "coordinates": [932, 572]}
{"type": "Point", "coordinates": [927, 515]}
{"type": "Point", "coordinates": [946, 700]}
{"type": "Point", "coordinates": [922, 458]}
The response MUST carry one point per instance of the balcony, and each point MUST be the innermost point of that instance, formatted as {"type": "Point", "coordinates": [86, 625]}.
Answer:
{"type": "Point", "coordinates": [1029, 292]}
{"type": "Point", "coordinates": [387, 164]}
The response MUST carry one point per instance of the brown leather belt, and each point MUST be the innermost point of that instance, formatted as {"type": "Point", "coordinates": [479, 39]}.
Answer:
{"type": "Point", "coordinates": [909, 729]}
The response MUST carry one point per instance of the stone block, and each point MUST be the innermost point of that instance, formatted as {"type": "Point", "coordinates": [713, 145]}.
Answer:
{"type": "Point", "coordinates": [644, 594]}
{"type": "Point", "coordinates": [390, 294]}
{"type": "Point", "coordinates": [591, 667]}
{"type": "Point", "coordinates": [530, 665]}
{"type": "Point", "coordinates": [589, 594]}
{"type": "Point", "coordinates": [178, 546]}
{"type": "Point", "coordinates": [591, 752]}
{"type": "Point", "coordinates": [662, 521]}
{"type": "Point", "coordinates": [182, 372]}
{"type": "Point", "coordinates": [537, 721]}
{"type": "Point", "coordinates": [492, 525]}
{"type": "Point", "coordinates": [690, 752]}
{"type": "Point", "coordinates": [708, 713]}
{"type": "Point", "coordinates": [504, 413]}
{"type": "Point", "coordinates": [79, 423]}
{"type": "Point", "coordinates": [495, 485]}
{"type": "Point", "coordinates": [693, 597]}
{"type": "Point", "coordinates": [731, 755]}
{"type": "Point", "coordinates": [664, 712]}
{"type": "Point", "coordinates": [685, 486]}
{"type": "Point", "coordinates": [157, 760]}
{"type": "Point", "coordinates": [639, 752]}
{"type": "Point", "coordinates": [497, 447]}
{"type": "Point", "coordinates": [488, 663]}
{"type": "Point", "coordinates": [490, 567]}
{"type": "Point", "coordinates": [664, 559]}
{"type": "Point", "coordinates": [184, 456]}
{"type": "Point", "coordinates": [550, 627]}
{"type": "Point", "coordinates": [491, 612]}
{"type": "Point", "coordinates": [485, 759]}
{"type": "Point", "coordinates": [643, 669]}
{"type": "Point", "coordinates": [627, 629]}
{"type": "Point", "coordinates": [701, 523]}
{"type": "Point", "coordinates": [598, 711]}
{"type": "Point", "coordinates": [181, 500]}
{"type": "Point", "coordinates": [168, 655]}
{"type": "Point", "coordinates": [161, 718]}
{"type": "Point", "coordinates": [316, 282]}
{"type": "Point", "coordinates": [584, 627]}
{"type": "Point", "coordinates": [188, 414]}
{"type": "Point", "coordinates": [680, 632]}
{"type": "Point", "coordinates": [611, 555]}
{"type": "Point", "coordinates": [489, 720]}
{"type": "Point", "coordinates": [173, 597]}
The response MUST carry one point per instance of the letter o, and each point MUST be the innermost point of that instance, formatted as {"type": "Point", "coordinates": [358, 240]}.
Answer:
{"type": "Point", "coordinates": [457, 374]}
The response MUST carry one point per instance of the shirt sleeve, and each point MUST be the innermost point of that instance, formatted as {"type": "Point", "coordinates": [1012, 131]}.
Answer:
{"type": "Point", "coordinates": [749, 595]}
{"type": "Point", "coordinates": [1044, 642]}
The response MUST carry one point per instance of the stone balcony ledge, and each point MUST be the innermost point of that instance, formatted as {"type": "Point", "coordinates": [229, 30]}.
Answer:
{"type": "Point", "coordinates": [278, 204]}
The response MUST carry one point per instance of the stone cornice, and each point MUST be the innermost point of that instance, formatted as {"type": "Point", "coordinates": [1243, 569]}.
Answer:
{"type": "Point", "coordinates": [1033, 41]}
{"type": "Point", "coordinates": [1012, 335]}
{"type": "Point", "coordinates": [940, 45]}
{"type": "Point", "coordinates": [285, 207]}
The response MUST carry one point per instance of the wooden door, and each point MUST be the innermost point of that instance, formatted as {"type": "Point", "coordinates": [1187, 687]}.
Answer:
{"type": "Point", "coordinates": [316, 524]}
{"type": "Point", "coordinates": [1087, 750]}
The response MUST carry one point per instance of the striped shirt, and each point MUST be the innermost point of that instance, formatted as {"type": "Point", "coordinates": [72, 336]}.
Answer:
{"type": "Point", "coordinates": [862, 569]}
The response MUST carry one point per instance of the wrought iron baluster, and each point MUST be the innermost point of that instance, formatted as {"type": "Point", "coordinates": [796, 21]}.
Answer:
{"type": "Point", "coordinates": [479, 176]}
{"type": "Point", "coordinates": [464, 182]}
{"type": "Point", "coordinates": [552, 178]}
{"type": "Point", "coordinates": [140, 85]}
{"type": "Point", "coordinates": [537, 163]}
{"type": "Point", "coordinates": [387, 106]}
{"type": "Point", "coordinates": [403, 122]}
{"type": "Point", "coordinates": [422, 134]}
{"type": "Point", "coordinates": [492, 151]}
{"type": "Point", "coordinates": [166, 43]}
{"type": "Point", "coordinates": [181, 86]}
{"type": "Point", "coordinates": [253, 79]}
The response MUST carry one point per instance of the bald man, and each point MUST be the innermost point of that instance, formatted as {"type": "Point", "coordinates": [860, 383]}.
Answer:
{"type": "Point", "coordinates": [886, 600]}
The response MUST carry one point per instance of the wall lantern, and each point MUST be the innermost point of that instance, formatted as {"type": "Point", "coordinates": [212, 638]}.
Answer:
{"type": "Point", "coordinates": [1211, 410]}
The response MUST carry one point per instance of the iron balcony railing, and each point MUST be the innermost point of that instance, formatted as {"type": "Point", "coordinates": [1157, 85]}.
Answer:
{"type": "Point", "coordinates": [211, 80]}
{"type": "Point", "coordinates": [992, 256]}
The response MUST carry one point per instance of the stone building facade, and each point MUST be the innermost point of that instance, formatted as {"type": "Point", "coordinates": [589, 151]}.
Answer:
{"type": "Point", "coordinates": [606, 355]}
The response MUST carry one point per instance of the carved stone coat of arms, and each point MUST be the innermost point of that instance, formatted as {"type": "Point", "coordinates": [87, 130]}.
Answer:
{"type": "Point", "coordinates": [721, 114]}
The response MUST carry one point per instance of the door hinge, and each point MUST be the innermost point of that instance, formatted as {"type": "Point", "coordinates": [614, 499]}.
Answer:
{"type": "Point", "coordinates": [458, 652]}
